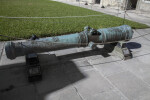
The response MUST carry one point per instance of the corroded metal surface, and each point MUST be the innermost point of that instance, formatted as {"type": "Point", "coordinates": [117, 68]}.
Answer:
{"type": "Point", "coordinates": [82, 39]}
{"type": "Point", "coordinates": [116, 33]}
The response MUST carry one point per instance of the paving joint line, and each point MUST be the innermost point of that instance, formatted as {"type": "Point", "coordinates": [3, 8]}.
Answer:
{"type": "Point", "coordinates": [81, 97]}
{"type": "Point", "coordinates": [78, 93]}
{"type": "Point", "coordinates": [146, 83]}
{"type": "Point", "coordinates": [36, 91]}
{"type": "Point", "coordinates": [111, 84]}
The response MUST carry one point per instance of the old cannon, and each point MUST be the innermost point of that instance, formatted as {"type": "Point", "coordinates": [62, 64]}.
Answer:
{"type": "Point", "coordinates": [89, 37]}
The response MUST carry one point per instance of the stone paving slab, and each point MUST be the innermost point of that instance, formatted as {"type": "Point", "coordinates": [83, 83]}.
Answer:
{"type": "Point", "coordinates": [22, 93]}
{"type": "Point", "coordinates": [69, 55]}
{"type": "Point", "coordinates": [13, 77]}
{"type": "Point", "coordinates": [86, 83]}
{"type": "Point", "coordinates": [67, 93]}
{"type": "Point", "coordinates": [109, 69]}
{"type": "Point", "coordinates": [140, 46]}
{"type": "Point", "coordinates": [104, 60]}
{"type": "Point", "coordinates": [7, 63]}
{"type": "Point", "coordinates": [109, 95]}
{"type": "Point", "coordinates": [65, 51]}
{"type": "Point", "coordinates": [48, 58]}
{"type": "Point", "coordinates": [140, 52]}
{"type": "Point", "coordinates": [141, 40]}
{"type": "Point", "coordinates": [136, 33]}
{"type": "Point", "coordinates": [142, 31]}
{"type": "Point", "coordinates": [53, 79]}
{"type": "Point", "coordinates": [138, 66]}
{"type": "Point", "coordinates": [1, 48]}
{"type": "Point", "coordinates": [147, 37]}
{"type": "Point", "coordinates": [94, 83]}
{"type": "Point", "coordinates": [80, 65]}
{"type": "Point", "coordinates": [89, 54]}
{"type": "Point", "coordinates": [2, 45]}
{"type": "Point", "coordinates": [131, 86]}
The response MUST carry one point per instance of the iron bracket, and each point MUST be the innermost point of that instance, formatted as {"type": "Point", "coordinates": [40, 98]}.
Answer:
{"type": "Point", "coordinates": [122, 51]}
{"type": "Point", "coordinates": [33, 68]}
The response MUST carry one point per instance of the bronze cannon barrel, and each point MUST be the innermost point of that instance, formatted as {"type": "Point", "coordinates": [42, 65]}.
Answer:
{"type": "Point", "coordinates": [82, 39]}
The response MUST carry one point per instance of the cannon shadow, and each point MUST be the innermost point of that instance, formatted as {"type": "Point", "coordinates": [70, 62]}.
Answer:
{"type": "Point", "coordinates": [58, 72]}
{"type": "Point", "coordinates": [14, 83]}
{"type": "Point", "coordinates": [104, 52]}
{"type": "Point", "coordinates": [133, 45]}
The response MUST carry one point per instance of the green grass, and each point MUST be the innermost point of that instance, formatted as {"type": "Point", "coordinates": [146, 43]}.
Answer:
{"type": "Point", "coordinates": [24, 28]}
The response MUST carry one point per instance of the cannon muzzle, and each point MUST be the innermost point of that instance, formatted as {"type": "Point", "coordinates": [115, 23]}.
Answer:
{"type": "Point", "coordinates": [82, 39]}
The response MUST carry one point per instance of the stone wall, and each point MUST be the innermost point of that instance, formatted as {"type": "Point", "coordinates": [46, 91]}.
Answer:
{"type": "Point", "coordinates": [110, 2]}
{"type": "Point", "coordinates": [143, 5]}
